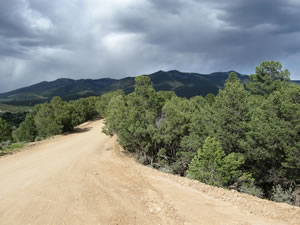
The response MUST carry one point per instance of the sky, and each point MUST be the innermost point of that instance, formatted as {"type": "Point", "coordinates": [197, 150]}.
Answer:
{"type": "Point", "coordinates": [45, 40]}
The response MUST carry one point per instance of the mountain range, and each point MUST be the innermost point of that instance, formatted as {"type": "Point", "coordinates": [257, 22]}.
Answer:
{"type": "Point", "coordinates": [183, 84]}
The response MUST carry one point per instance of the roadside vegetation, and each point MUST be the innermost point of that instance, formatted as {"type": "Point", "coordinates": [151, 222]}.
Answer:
{"type": "Point", "coordinates": [245, 137]}
{"type": "Point", "coordinates": [45, 120]}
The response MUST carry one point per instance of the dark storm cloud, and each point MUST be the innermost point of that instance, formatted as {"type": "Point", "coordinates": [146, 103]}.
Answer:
{"type": "Point", "coordinates": [12, 29]}
{"type": "Point", "coordinates": [12, 23]}
{"type": "Point", "coordinates": [44, 40]}
{"type": "Point", "coordinates": [22, 29]}
{"type": "Point", "coordinates": [233, 34]}
{"type": "Point", "coordinates": [283, 15]}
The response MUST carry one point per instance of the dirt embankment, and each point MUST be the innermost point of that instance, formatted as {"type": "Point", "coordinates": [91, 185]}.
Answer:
{"type": "Point", "coordinates": [85, 179]}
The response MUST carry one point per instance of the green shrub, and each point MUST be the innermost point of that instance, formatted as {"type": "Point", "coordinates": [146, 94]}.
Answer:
{"type": "Point", "coordinates": [165, 169]}
{"type": "Point", "coordinates": [212, 166]}
{"type": "Point", "coordinates": [46, 122]}
{"type": "Point", "coordinates": [14, 146]}
{"type": "Point", "coordinates": [8, 147]}
{"type": "Point", "coordinates": [4, 144]}
{"type": "Point", "coordinates": [250, 188]}
{"type": "Point", "coordinates": [5, 130]}
{"type": "Point", "coordinates": [279, 194]}
{"type": "Point", "coordinates": [27, 130]}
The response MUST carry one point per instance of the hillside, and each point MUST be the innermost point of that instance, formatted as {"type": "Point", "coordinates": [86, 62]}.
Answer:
{"type": "Point", "coordinates": [86, 178]}
{"type": "Point", "coordinates": [184, 85]}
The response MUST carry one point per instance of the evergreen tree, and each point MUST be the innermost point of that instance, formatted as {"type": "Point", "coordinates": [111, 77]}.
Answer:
{"type": "Point", "coordinates": [212, 166]}
{"type": "Point", "coordinates": [269, 77]}
{"type": "Point", "coordinates": [230, 116]}
{"type": "Point", "coordinates": [200, 126]}
{"type": "Point", "coordinates": [210, 98]}
{"type": "Point", "coordinates": [102, 103]}
{"type": "Point", "coordinates": [116, 113]}
{"type": "Point", "coordinates": [45, 121]}
{"type": "Point", "coordinates": [163, 96]}
{"type": "Point", "coordinates": [286, 106]}
{"type": "Point", "coordinates": [232, 77]}
{"type": "Point", "coordinates": [5, 131]}
{"type": "Point", "coordinates": [272, 143]}
{"type": "Point", "coordinates": [172, 126]}
{"type": "Point", "coordinates": [62, 114]}
{"type": "Point", "coordinates": [27, 130]}
{"type": "Point", "coordinates": [82, 110]}
{"type": "Point", "coordinates": [143, 111]}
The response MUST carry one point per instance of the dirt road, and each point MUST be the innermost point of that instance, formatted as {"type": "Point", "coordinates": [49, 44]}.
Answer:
{"type": "Point", "coordinates": [84, 179]}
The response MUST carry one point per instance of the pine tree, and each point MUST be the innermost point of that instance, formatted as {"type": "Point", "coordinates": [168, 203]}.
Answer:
{"type": "Point", "coordinates": [172, 126]}
{"type": "Point", "coordinates": [45, 121]}
{"type": "Point", "coordinates": [116, 112]}
{"type": "Point", "coordinates": [5, 131]}
{"type": "Point", "coordinates": [62, 114]}
{"type": "Point", "coordinates": [269, 77]}
{"type": "Point", "coordinates": [212, 166]}
{"type": "Point", "coordinates": [27, 130]}
{"type": "Point", "coordinates": [230, 115]}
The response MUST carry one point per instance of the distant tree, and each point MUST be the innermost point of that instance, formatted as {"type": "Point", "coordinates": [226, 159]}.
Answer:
{"type": "Point", "coordinates": [5, 131]}
{"type": "Point", "coordinates": [91, 112]}
{"type": "Point", "coordinates": [62, 114]}
{"type": "Point", "coordinates": [55, 117]}
{"type": "Point", "coordinates": [163, 96]}
{"type": "Point", "coordinates": [14, 119]}
{"type": "Point", "coordinates": [233, 77]}
{"type": "Point", "coordinates": [269, 77]}
{"type": "Point", "coordinates": [210, 98]}
{"type": "Point", "coordinates": [77, 112]}
{"type": "Point", "coordinates": [102, 103]}
{"type": "Point", "coordinates": [82, 110]}
{"type": "Point", "coordinates": [27, 130]}
{"type": "Point", "coordinates": [145, 94]}
{"type": "Point", "coordinates": [116, 113]}
{"type": "Point", "coordinates": [45, 121]}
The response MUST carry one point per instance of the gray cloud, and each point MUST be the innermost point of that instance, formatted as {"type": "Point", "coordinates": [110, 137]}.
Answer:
{"type": "Point", "coordinates": [281, 16]}
{"type": "Point", "coordinates": [45, 40]}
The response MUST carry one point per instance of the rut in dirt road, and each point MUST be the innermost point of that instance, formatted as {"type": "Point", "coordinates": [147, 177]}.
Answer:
{"type": "Point", "coordinates": [84, 179]}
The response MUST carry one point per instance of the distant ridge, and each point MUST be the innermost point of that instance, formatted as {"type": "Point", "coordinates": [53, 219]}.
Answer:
{"type": "Point", "coordinates": [183, 84]}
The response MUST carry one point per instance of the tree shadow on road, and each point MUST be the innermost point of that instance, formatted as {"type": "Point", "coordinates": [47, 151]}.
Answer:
{"type": "Point", "coordinates": [79, 130]}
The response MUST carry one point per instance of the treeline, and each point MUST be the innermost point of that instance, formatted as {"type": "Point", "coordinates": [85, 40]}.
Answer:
{"type": "Point", "coordinates": [14, 118]}
{"type": "Point", "coordinates": [54, 118]}
{"type": "Point", "coordinates": [245, 137]}
{"type": "Point", "coordinates": [47, 119]}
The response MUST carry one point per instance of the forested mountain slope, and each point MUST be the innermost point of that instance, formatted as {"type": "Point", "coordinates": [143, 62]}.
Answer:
{"type": "Point", "coordinates": [183, 84]}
